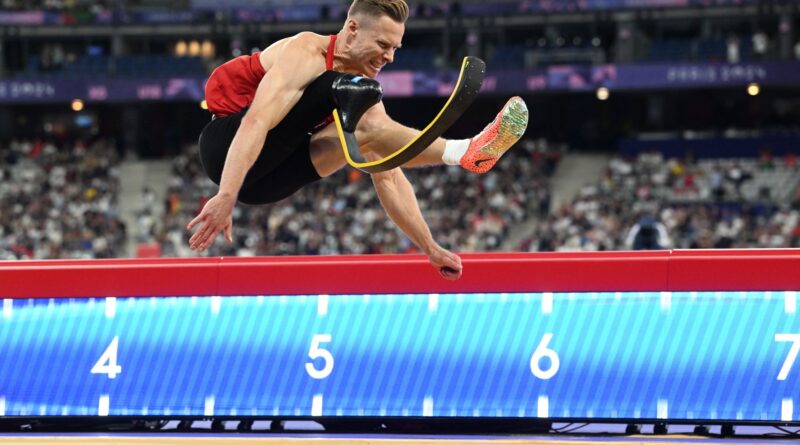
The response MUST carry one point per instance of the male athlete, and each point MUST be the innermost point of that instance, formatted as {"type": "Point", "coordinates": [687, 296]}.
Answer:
{"type": "Point", "coordinates": [270, 134]}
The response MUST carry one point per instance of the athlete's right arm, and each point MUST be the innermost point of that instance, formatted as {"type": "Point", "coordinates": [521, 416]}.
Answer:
{"type": "Point", "coordinates": [279, 91]}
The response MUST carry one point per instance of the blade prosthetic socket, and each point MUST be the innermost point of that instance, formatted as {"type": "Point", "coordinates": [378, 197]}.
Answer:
{"type": "Point", "coordinates": [354, 95]}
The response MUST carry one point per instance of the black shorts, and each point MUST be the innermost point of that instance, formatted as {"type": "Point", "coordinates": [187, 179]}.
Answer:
{"type": "Point", "coordinates": [284, 164]}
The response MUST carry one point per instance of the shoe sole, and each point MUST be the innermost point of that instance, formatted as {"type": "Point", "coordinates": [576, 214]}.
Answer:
{"type": "Point", "coordinates": [513, 123]}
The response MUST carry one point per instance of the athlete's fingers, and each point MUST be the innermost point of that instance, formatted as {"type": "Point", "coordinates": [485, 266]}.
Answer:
{"type": "Point", "coordinates": [209, 237]}
{"type": "Point", "coordinates": [196, 220]}
{"type": "Point", "coordinates": [193, 239]}
{"type": "Point", "coordinates": [229, 233]}
{"type": "Point", "coordinates": [449, 273]}
{"type": "Point", "coordinates": [202, 235]}
{"type": "Point", "coordinates": [454, 258]}
{"type": "Point", "coordinates": [452, 264]}
{"type": "Point", "coordinates": [210, 240]}
{"type": "Point", "coordinates": [199, 234]}
{"type": "Point", "coordinates": [450, 259]}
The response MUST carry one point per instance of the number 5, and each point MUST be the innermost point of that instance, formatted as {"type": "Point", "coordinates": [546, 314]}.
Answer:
{"type": "Point", "coordinates": [317, 352]}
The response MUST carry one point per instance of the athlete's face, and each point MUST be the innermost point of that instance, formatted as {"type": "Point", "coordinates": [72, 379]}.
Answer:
{"type": "Point", "coordinates": [375, 40]}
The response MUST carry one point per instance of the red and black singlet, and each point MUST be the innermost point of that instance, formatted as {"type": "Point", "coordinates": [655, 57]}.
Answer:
{"type": "Point", "coordinates": [232, 85]}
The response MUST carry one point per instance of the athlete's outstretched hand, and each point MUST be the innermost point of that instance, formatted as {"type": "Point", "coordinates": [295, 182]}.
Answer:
{"type": "Point", "coordinates": [448, 263]}
{"type": "Point", "coordinates": [216, 217]}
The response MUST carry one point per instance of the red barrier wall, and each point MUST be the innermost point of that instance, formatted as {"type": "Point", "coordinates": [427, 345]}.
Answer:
{"type": "Point", "coordinates": [695, 270]}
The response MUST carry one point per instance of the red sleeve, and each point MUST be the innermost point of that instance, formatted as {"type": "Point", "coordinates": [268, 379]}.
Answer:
{"type": "Point", "coordinates": [232, 86]}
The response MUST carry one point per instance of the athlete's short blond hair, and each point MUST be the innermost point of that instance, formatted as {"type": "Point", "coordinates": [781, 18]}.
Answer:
{"type": "Point", "coordinates": [396, 10]}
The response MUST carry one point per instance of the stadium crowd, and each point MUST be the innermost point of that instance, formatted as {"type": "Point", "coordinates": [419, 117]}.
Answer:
{"type": "Point", "coordinates": [721, 203]}
{"type": "Point", "coordinates": [59, 201]}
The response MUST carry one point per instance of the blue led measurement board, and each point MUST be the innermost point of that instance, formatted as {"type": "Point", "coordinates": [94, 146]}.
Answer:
{"type": "Point", "coordinates": [604, 355]}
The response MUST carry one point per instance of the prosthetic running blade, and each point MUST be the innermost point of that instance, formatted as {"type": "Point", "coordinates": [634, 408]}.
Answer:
{"type": "Point", "coordinates": [466, 90]}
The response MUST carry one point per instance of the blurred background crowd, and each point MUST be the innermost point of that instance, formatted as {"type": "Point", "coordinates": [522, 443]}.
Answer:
{"type": "Point", "coordinates": [654, 125]}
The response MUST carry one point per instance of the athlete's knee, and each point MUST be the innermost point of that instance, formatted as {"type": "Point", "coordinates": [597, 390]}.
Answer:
{"type": "Point", "coordinates": [372, 123]}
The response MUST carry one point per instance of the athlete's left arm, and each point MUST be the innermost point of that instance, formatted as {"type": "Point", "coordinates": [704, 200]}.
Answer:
{"type": "Point", "coordinates": [398, 199]}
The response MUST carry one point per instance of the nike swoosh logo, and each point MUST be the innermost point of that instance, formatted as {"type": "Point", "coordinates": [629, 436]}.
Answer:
{"type": "Point", "coordinates": [481, 161]}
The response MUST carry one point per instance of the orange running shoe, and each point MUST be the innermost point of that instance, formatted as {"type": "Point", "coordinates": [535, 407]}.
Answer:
{"type": "Point", "coordinates": [500, 135]}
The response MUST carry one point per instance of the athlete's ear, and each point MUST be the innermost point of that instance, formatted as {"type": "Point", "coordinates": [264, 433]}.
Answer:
{"type": "Point", "coordinates": [352, 26]}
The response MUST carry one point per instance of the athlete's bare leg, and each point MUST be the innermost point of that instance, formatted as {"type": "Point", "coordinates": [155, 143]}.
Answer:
{"type": "Point", "coordinates": [326, 151]}
{"type": "Point", "coordinates": [379, 133]}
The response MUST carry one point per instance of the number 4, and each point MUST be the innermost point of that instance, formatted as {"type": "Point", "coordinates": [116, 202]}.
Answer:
{"type": "Point", "coordinates": [107, 364]}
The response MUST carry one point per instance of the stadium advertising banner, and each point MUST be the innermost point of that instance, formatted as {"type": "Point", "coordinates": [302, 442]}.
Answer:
{"type": "Point", "coordinates": [433, 83]}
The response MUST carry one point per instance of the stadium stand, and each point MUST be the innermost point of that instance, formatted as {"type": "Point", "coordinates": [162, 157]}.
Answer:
{"type": "Point", "coordinates": [59, 201]}
{"type": "Point", "coordinates": [716, 203]}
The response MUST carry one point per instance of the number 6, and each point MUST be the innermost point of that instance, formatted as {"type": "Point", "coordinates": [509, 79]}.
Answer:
{"type": "Point", "coordinates": [317, 352]}
{"type": "Point", "coordinates": [543, 351]}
